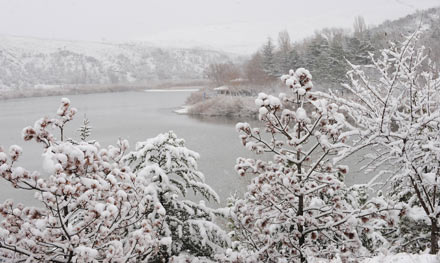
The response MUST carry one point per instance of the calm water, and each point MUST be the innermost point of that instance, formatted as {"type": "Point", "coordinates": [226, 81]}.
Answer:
{"type": "Point", "coordinates": [135, 116]}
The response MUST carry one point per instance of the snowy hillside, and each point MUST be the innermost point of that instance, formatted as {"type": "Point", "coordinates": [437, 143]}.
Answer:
{"type": "Point", "coordinates": [428, 20]}
{"type": "Point", "coordinates": [27, 62]}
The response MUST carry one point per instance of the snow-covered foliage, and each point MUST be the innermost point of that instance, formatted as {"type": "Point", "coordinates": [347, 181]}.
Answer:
{"type": "Point", "coordinates": [225, 106]}
{"type": "Point", "coordinates": [298, 206]}
{"type": "Point", "coordinates": [170, 170]}
{"type": "Point", "coordinates": [397, 118]}
{"type": "Point", "coordinates": [105, 204]}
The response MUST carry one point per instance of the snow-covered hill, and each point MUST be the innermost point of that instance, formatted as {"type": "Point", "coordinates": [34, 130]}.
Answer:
{"type": "Point", "coordinates": [29, 62]}
{"type": "Point", "coordinates": [427, 20]}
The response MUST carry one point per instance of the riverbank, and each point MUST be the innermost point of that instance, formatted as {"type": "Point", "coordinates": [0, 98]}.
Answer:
{"type": "Point", "coordinates": [63, 90]}
{"type": "Point", "coordinates": [69, 89]}
{"type": "Point", "coordinates": [239, 100]}
{"type": "Point", "coordinates": [228, 101]}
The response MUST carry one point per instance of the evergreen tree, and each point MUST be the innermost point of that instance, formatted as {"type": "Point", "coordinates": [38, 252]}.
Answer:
{"type": "Point", "coordinates": [297, 207]}
{"type": "Point", "coordinates": [269, 63]}
{"type": "Point", "coordinates": [85, 130]}
{"type": "Point", "coordinates": [338, 66]}
{"type": "Point", "coordinates": [295, 60]}
{"type": "Point", "coordinates": [284, 49]}
{"type": "Point", "coordinates": [365, 49]}
{"type": "Point", "coordinates": [170, 171]}
{"type": "Point", "coordinates": [353, 47]}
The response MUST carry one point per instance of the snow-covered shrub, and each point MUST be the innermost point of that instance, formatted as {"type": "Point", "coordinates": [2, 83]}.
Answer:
{"type": "Point", "coordinates": [170, 170]}
{"type": "Point", "coordinates": [396, 116]}
{"type": "Point", "coordinates": [104, 204]}
{"type": "Point", "coordinates": [298, 206]}
{"type": "Point", "coordinates": [225, 106]}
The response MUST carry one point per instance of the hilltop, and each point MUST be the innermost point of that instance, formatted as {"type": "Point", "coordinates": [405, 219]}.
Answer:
{"type": "Point", "coordinates": [27, 62]}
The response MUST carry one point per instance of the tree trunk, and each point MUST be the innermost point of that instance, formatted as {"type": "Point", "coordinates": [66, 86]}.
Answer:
{"type": "Point", "coordinates": [434, 236]}
{"type": "Point", "coordinates": [300, 199]}
{"type": "Point", "coordinates": [300, 227]}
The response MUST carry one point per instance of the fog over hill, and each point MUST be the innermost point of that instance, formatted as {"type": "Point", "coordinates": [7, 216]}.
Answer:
{"type": "Point", "coordinates": [28, 62]}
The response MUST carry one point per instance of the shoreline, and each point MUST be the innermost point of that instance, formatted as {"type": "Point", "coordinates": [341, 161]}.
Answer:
{"type": "Point", "coordinates": [60, 90]}
{"type": "Point", "coordinates": [35, 93]}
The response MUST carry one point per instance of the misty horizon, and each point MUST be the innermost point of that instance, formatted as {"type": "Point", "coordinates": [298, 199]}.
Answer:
{"type": "Point", "coordinates": [232, 26]}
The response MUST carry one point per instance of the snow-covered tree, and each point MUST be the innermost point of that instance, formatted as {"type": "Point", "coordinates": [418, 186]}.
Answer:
{"type": "Point", "coordinates": [85, 130]}
{"type": "Point", "coordinates": [298, 206]}
{"type": "Point", "coordinates": [397, 117]}
{"type": "Point", "coordinates": [269, 59]}
{"type": "Point", "coordinates": [104, 204]}
{"type": "Point", "coordinates": [282, 58]}
{"type": "Point", "coordinates": [172, 172]}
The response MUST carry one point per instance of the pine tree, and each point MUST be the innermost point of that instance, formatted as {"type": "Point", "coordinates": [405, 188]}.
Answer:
{"type": "Point", "coordinates": [365, 49]}
{"type": "Point", "coordinates": [85, 130]}
{"type": "Point", "coordinates": [297, 207]}
{"type": "Point", "coordinates": [269, 63]}
{"type": "Point", "coordinates": [353, 47]}
{"type": "Point", "coordinates": [170, 170]}
{"type": "Point", "coordinates": [338, 65]}
{"type": "Point", "coordinates": [317, 58]}
{"type": "Point", "coordinates": [295, 60]}
{"type": "Point", "coordinates": [284, 49]}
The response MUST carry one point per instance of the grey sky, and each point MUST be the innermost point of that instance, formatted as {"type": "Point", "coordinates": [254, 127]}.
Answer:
{"type": "Point", "coordinates": [232, 25]}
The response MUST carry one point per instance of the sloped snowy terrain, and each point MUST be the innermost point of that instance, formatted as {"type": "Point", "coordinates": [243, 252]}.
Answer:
{"type": "Point", "coordinates": [396, 258]}
{"type": "Point", "coordinates": [26, 62]}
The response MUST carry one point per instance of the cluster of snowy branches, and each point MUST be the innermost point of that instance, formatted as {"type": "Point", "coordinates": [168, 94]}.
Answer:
{"type": "Point", "coordinates": [106, 204]}
{"type": "Point", "coordinates": [298, 207]}
{"type": "Point", "coordinates": [115, 205]}
{"type": "Point", "coordinates": [398, 121]}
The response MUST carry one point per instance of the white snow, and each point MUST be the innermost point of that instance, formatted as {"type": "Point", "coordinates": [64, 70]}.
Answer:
{"type": "Point", "coordinates": [397, 258]}
{"type": "Point", "coordinates": [183, 110]}
{"type": "Point", "coordinates": [301, 114]}
{"type": "Point", "coordinates": [404, 258]}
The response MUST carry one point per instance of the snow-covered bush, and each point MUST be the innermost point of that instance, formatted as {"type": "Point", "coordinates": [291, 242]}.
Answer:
{"type": "Point", "coordinates": [225, 106]}
{"type": "Point", "coordinates": [104, 204]}
{"type": "Point", "coordinates": [397, 118]}
{"type": "Point", "coordinates": [298, 206]}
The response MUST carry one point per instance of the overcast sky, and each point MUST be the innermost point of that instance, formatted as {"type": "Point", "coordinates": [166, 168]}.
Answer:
{"type": "Point", "coordinates": [232, 25]}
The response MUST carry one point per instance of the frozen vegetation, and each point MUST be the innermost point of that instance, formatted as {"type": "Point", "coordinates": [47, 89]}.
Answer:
{"type": "Point", "coordinates": [231, 106]}
{"type": "Point", "coordinates": [119, 205]}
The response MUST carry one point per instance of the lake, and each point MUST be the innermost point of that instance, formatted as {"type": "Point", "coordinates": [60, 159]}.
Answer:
{"type": "Point", "coordinates": [135, 116]}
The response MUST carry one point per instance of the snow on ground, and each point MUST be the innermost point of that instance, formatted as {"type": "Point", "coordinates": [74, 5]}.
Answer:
{"type": "Point", "coordinates": [183, 110]}
{"type": "Point", "coordinates": [397, 258]}
{"type": "Point", "coordinates": [404, 258]}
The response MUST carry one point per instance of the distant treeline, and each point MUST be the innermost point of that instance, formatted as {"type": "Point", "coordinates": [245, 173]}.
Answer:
{"type": "Point", "coordinates": [326, 53]}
